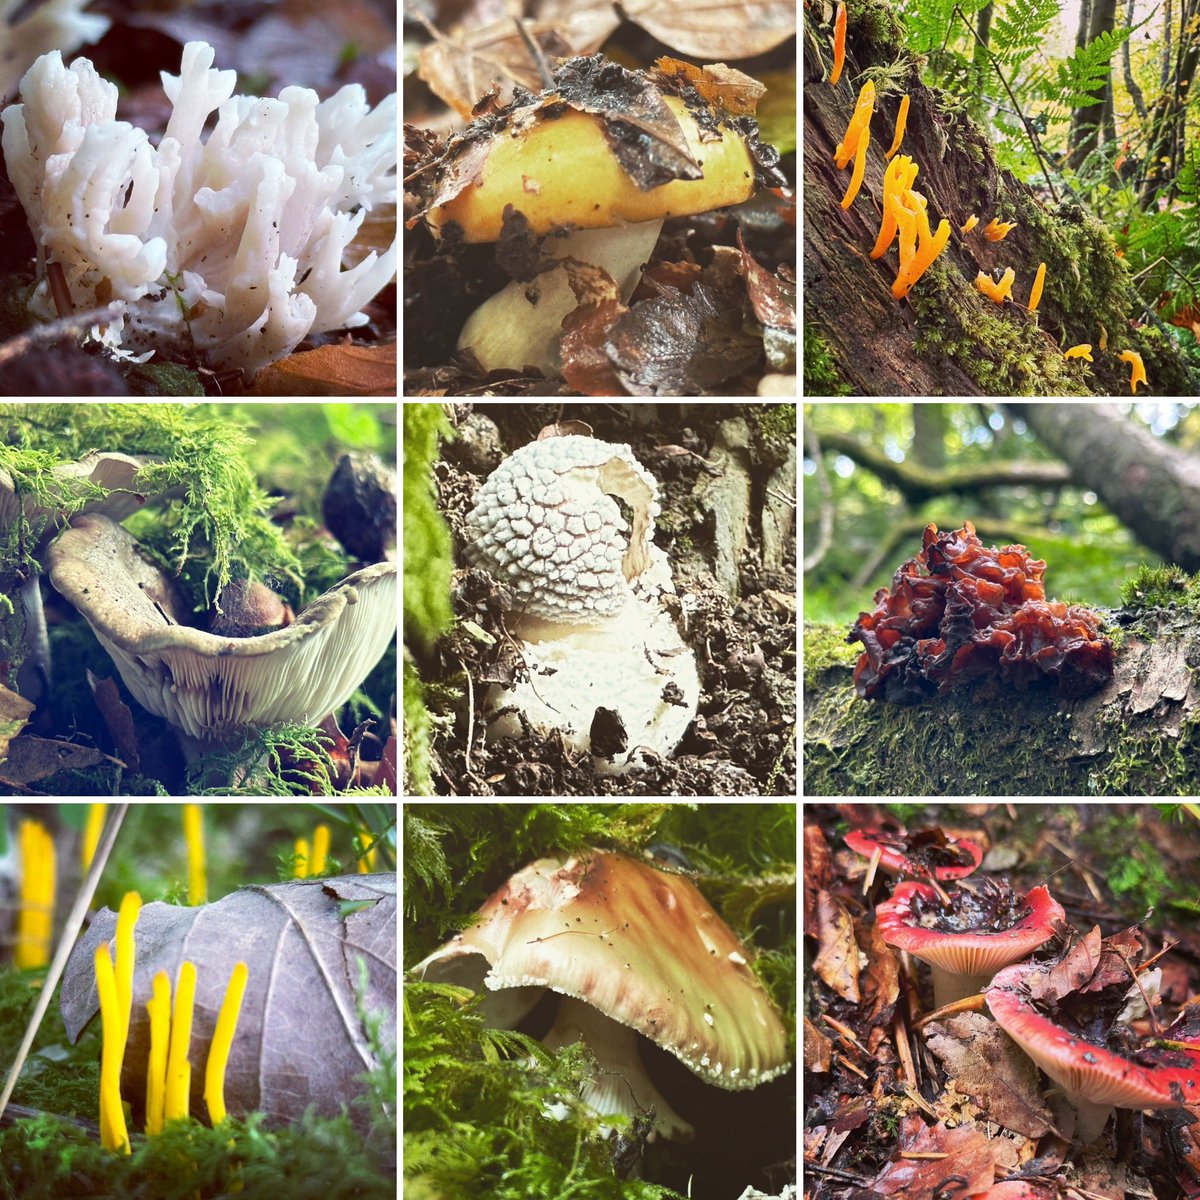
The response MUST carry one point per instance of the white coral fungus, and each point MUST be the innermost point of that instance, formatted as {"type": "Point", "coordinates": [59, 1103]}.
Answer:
{"type": "Point", "coordinates": [232, 245]}
{"type": "Point", "coordinates": [51, 25]}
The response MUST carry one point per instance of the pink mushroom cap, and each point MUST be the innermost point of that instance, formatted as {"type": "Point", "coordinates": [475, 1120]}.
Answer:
{"type": "Point", "coordinates": [867, 841]}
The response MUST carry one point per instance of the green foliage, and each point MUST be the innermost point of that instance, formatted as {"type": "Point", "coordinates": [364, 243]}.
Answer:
{"type": "Point", "coordinates": [1019, 28]}
{"type": "Point", "coordinates": [821, 376]}
{"type": "Point", "coordinates": [427, 550]}
{"type": "Point", "coordinates": [288, 760]}
{"type": "Point", "coordinates": [417, 733]}
{"type": "Point", "coordinates": [1087, 71]}
{"type": "Point", "coordinates": [927, 24]}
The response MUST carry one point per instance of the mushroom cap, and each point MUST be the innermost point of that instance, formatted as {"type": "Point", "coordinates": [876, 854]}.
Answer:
{"type": "Point", "coordinates": [560, 170]}
{"type": "Point", "coordinates": [1091, 1072]}
{"type": "Point", "coordinates": [114, 472]}
{"type": "Point", "coordinates": [220, 688]}
{"type": "Point", "coordinates": [967, 953]}
{"type": "Point", "coordinates": [642, 946]}
{"type": "Point", "coordinates": [866, 841]}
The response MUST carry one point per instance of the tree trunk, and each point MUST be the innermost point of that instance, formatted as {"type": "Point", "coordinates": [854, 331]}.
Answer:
{"type": "Point", "coordinates": [1164, 157]}
{"type": "Point", "coordinates": [1087, 122]}
{"type": "Point", "coordinates": [1133, 737]}
{"type": "Point", "coordinates": [1153, 489]}
{"type": "Point", "coordinates": [930, 422]}
{"type": "Point", "coordinates": [981, 58]}
{"type": "Point", "coordinates": [1131, 86]}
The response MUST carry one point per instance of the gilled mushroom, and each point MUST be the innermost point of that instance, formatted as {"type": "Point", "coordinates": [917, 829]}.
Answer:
{"type": "Point", "coordinates": [599, 159]}
{"type": "Point", "coordinates": [218, 689]}
{"type": "Point", "coordinates": [1163, 1073]}
{"type": "Point", "coordinates": [928, 854]}
{"type": "Point", "coordinates": [636, 954]}
{"type": "Point", "coordinates": [967, 942]}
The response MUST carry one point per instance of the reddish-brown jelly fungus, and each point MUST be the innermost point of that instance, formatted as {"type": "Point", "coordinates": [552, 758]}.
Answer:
{"type": "Point", "coordinates": [962, 609]}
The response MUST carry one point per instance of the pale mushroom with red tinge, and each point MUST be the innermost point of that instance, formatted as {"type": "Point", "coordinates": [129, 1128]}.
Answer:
{"type": "Point", "coordinates": [967, 943]}
{"type": "Point", "coordinates": [904, 854]}
{"type": "Point", "coordinates": [635, 952]}
{"type": "Point", "coordinates": [1094, 1078]}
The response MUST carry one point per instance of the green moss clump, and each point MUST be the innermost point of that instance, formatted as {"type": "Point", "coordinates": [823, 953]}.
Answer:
{"type": "Point", "coordinates": [824, 648]}
{"type": "Point", "coordinates": [427, 551]}
{"type": "Point", "coordinates": [1161, 587]}
{"type": "Point", "coordinates": [821, 375]}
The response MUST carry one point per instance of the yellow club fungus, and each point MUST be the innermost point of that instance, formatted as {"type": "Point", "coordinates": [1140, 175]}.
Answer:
{"type": "Point", "coordinates": [906, 220]}
{"type": "Point", "coordinates": [159, 1008]}
{"type": "Point", "coordinates": [193, 833]}
{"type": "Point", "coordinates": [301, 858]}
{"type": "Point", "coordinates": [131, 906]}
{"type": "Point", "coordinates": [839, 44]}
{"type": "Point", "coordinates": [1083, 350]}
{"type": "Point", "coordinates": [928, 248]}
{"type": "Point", "coordinates": [997, 292]}
{"type": "Point", "coordinates": [901, 122]}
{"type": "Point", "coordinates": [919, 246]}
{"type": "Point", "coordinates": [898, 178]}
{"type": "Point", "coordinates": [997, 231]}
{"type": "Point", "coordinates": [859, 121]}
{"type": "Point", "coordinates": [35, 919]}
{"type": "Point", "coordinates": [320, 850]}
{"type": "Point", "coordinates": [179, 1071]}
{"type": "Point", "coordinates": [222, 1040]}
{"type": "Point", "coordinates": [113, 1133]}
{"type": "Point", "coordinates": [91, 834]}
{"type": "Point", "coordinates": [1137, 372]}
{"type": "Point", "coordinates": [970, 224]}
{"type": "Point", "coordinates": [1035, 292]}
{"type": "Point", "coordinates": [860, 163]}
{"type": "Point", "coordinates": [367, 855]}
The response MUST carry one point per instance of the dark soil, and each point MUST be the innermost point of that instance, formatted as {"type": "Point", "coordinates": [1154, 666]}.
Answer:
{"type": "Point", "coordinates": [743, 741]}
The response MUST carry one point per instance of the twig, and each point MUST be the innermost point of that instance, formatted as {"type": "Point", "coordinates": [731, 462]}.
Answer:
{"type": "Point", "coordinates": [900, 1033]}
{"type": "Point", "coordinates": [836, 1173]}
{"type": "Point", "coordinates": [825, 490]}
{"type": "Point", "coordinates": [872, 867]}
{"type": "Point", "coordinates": [54, 330]}
{"type": "Point", "coordinates": [66, 942]}
{"type": "Point", "coordinates": [535, 52]}
{"type": "Point", "coordinates": [470, 714]}
{"type": "Point", "coordinates": [967, 1004]}
{"type": "Point", "coordinates": [1155, 1027]}
{"type": "Point", "coordinates": [851, 1067]}
{"type": "Point", "coordinates": [845, 1033]}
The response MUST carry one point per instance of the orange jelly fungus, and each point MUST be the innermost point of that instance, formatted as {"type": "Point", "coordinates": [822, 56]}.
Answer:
{"type": "Point", "coordinates": [859, 121]}
{"type": "Point", "coordinates": [1035, 292]}
{"type": "Point", "coordinates": [971, 222]}
{"type": "Point", "coordinates": [901, 122]}
{"type": "Point", "coordinates": [860, 163]}
{"type": "Point", "coordinates": [1138, 372]}
{"type": "Point", "coordinates": [1083, 350]}
{"type": "Point", "coordinates": [839, 44]}
{"type": "Point", "coordinates": [997, 292]}
{"type": "Point", "coordinates": [997, 231]}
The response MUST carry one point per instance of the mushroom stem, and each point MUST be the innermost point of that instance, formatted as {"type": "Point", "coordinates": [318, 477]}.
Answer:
{"type": "Point", "coordinates": [1090, 1118]}
{"type": "Point", "coordinates": [37, 641]}
{"type": "Point", "coordinates": [949, 987]}
{"type": "Point", "coordinates": [510, 330]}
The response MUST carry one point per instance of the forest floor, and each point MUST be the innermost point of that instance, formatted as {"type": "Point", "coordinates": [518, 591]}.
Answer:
{"type": "Point", "coordinates": [943, 1111]}
{"type": "Point", "coordinates": [742, 743]}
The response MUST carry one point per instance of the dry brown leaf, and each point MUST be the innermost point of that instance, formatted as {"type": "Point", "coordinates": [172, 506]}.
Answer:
{"type": "Point", "coordinates": [337, 369]}
{"type": "Point", "coordinates": [14, 712]}
{"type": "Point", "coordinates": [818, 1049]}
{"type": "Point", "coordinates": [968, 1158]}
{"type": "Point", "coordinates": [117, 717]}
{"type": "Point", "coordinates": [300, 1038]}
{"type": "Point", "coordinates": [836, 964]}
{"type": "Point", "coordinates": [881, 978]}
{"type": "Point", "coordinates": [33, 758]}
{"type": "Point", "coordinates": [712, 29]}
{"type": "Point", "coordinates": [818, 870]}
{"type": "Point", "coordinates": [718, 84]}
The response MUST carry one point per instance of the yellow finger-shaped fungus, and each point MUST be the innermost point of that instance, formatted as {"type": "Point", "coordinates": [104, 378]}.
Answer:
{"type": "Point", "coordinates": [860, 163]}
{"type": "Point", "coordinates": [859, 121]}
{"type": "Point", "coordinates": [222, 1040]}
{"type": "Point", "coordinates": [193, 833]}
{"type": "Point", "coordinates": [91, 834]}
{"type": "Point", "coordinates": [320, 850]}
{"type": "Point", "coordinates": [901, 122]}
{"type": "Point", "coordinates": [301, 858]}
{"type": "Point", "coordinates": [1035, 292]}
{"type": "Point", "coordinates": [131, 905]}
{"type": "Point", "coordinates": [179, 1070]}
{"type": "Point", "coordinates": [35, 920]}
{"type": "Point", "coordinates": [1083, 350]}
{"type": "Point", "coordinates": [367, 855]}
{"type": "Point", "coordinates": [906, 219]}
{"type": "Point", "coordinates": [997, 231]}
{"type": "Point", "coordinates": [159, 1008]}
{"type": "Point", "coordinates": [898, 178]}
{"type": "Point", "coordinates": [113, 1134]}
{"type": "Point", "coordinates": [928, 248]}
{"type": "Point", "coordinates": [1137, 373]}
{"type": "Point", "coordinates": [970, 224]}
{"type": "Point", "coordinates": [996, 291]}
{"type": "Point", "coordinates": [839, 44]}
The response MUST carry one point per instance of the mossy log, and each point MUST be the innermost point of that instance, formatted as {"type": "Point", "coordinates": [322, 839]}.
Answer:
{"type": "Point", "coordinates": [1138, 736]}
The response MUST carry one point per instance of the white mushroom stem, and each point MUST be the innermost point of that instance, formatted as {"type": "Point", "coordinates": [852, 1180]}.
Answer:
{"type": "Point", "coordinates": [949, 987]}
{"type": "Point", "coordinates": [37, 638]}
{"type": "Point", "coordinates": [1090, 1117]}
{"type": "Point", "coordinates": [621, 1086]}
{"type": "Point", "coordinates": [511, 330]}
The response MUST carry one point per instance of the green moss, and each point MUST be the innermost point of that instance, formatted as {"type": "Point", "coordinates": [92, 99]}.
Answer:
{"type": "Point", "coordinates": [821, 374]}
{"type": "Point", "coordinates": [427, 551]}
{"type": "Point", "coordinates": [824, 649]}
{"type": "Point", "coordinates": [163, 379]}
{"type": "Point", "coordinates": [1161, 587]}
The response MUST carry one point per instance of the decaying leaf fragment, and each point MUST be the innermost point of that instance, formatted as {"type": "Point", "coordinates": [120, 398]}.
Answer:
{"type": "Point", "coordinates": [300, 1040]}
{"type": "Point", "coordinates": [836, 964]}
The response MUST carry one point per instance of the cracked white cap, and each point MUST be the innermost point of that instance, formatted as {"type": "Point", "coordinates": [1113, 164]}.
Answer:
{"type": "Point", "coordinates": [545, 523]}
{"type": "Point", "coordinates": [642, 946]}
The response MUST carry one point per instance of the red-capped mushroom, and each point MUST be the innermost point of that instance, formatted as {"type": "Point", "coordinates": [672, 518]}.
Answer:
{"type": "Point", "coordinates": [929, 854]}
{"type": "Point", "coordinates": [1017, 1189]}
{"type": "Point", "coordinates": [967, 942]}
{"type": "Point", "coordinates": [633, 951]}
{"type": "Point", "coordinates": [1165, 1073]}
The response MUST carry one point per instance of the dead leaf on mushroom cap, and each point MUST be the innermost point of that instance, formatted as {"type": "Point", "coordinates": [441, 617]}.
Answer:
{"type": "Point", "coordinates": [718, 84]}
{"type": "Point", "coordinates": [1090, 965]}
{"type": "Point", "coordinates": [299, 1039]}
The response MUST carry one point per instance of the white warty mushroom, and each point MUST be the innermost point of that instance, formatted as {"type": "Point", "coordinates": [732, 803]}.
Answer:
{"type": "Point", "coordinates": [588, 588]}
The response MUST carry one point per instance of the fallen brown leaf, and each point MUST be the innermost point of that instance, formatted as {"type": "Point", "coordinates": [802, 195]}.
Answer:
{"type": "Point", "coordinates": [338, 369]}
{"type": "Point", "coordinates": [719, 29]}
{"type": "Point", "coordinates": [117, 717]}
{"type": "Point", "coordinates": [836, 964]}
{"type": "Point", "coordinates": [33, 758]}
{"type": "Point", "coordinates": [967, 1165]}
{"type": "Point", "coordinates": [14, 712]}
